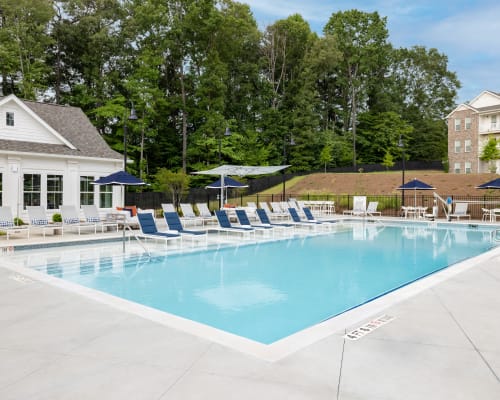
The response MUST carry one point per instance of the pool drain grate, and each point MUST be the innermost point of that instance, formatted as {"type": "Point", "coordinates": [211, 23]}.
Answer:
{"type": "Point", "coordinates": [368, 327]}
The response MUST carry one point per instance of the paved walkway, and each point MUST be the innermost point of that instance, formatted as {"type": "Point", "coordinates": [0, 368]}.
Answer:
{"type": "Point", "coordinates": [444, 343]}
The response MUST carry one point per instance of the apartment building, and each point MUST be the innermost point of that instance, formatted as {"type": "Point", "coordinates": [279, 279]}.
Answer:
{"type": "Point", "coordinates": [470, 125]}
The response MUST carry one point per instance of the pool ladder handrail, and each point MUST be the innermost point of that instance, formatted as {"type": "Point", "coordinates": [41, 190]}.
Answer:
{"type": "Point", "coordinates": [495, 237]}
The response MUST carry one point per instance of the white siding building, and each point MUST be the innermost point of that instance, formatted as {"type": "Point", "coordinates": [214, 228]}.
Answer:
{"type": "Point", "coordinates": [49, 155]}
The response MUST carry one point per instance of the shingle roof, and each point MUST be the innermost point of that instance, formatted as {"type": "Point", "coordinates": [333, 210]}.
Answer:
{"type": "Point", "coordinates": [73, 125]}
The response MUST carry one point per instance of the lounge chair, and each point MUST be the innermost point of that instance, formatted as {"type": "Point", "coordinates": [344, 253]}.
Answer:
{"type": "Point", "coordinates": [310, 217]}
{"type": "Point", "coordinates": [92, 216]}
{"type": "Point", "coordinates": [71, 219]}
{"type": "Point", "coordinates": [299, 222]}
{"type": "Point", "coordinates": [245, 221]}
{"type": "Point", "coordinates": [174, 224]}
{"type": "Point", "coordinates": [460, 211]}
{"type": "Point", "coordinates": [358, 208]}
{"type": "Point", "coordinates": [205, 214]}
{"type": "Point", "coordinates": [282, 226]}
{"type": "Point", "coordinates": [149, 230]}
{"type": "Point", "coordinates": [371, 210]}
{"type": "Point", "coordinates": [39, 220]}
{"type": "Point", "coordinates": [188, 214]}
{"type": "Point", "coordinates": [226, 226]}
{"type": "Point", "coordinates": [278, 211]}
{"type": "Point", "coordinates": [7, 223]}
{"type": "Point", "coordinates": [168, 207]}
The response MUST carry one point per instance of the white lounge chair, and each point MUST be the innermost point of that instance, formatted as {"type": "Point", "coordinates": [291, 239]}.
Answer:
{"type": "Point", "coordinates": [188, 214]}
{"type": "Point", "coordinates": [71, 219]}
{"type": "Point", "coordinates": [358, 206]}
{"type": "Point", "coordinates": [92, 216]}
{"type": "Point", "coordinates": [372, 209]}
{"type": "Point", "coordinates": [460, 211]}
{"type": "Point", "coordinates": [7, 223]}
{"type": "Point", "coordinates": [168, 207]}
{"type": "Point", "coordinates": [39, 220]}
{"type": "Point", "coordinates": [205, 214]}
{"type": "Point", "coordinates": [149, 230]}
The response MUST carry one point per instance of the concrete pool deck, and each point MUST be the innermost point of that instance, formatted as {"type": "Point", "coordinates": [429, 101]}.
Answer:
{"type": "Point", "coordinates": [443, 343]}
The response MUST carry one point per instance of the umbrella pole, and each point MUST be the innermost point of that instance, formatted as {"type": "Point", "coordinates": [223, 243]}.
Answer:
{"type": "Point", "coordinates": [221, 192]}
{"type": "Point", "coordinates": [125, 219]}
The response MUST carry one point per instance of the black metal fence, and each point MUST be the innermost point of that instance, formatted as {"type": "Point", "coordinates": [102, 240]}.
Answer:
{"type": "Point", "coordinates": [389, 205]}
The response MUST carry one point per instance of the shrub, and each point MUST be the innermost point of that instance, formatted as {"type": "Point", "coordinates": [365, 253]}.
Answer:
{"type": "Point", "coordinates": [56, 217]}
{"type": "Point", "coordinates": [18, 221]}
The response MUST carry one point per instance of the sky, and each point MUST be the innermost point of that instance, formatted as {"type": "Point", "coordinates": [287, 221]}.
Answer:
{"type": "Point", "coordinates": [466, 31]}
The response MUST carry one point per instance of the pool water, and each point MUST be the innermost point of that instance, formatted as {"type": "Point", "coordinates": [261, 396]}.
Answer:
{"type": "Point", "coordinates": [268, 291]}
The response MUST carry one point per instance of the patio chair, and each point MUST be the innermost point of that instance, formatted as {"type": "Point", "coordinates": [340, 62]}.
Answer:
{"type": "Point", "coordinates": [264, 219]}
{"type": "Point", "coordinates": [310, 217]}
{"type": "Point", "coordinates": [168, 207]}
{"type": "Point", "coordinates": [174, 224]}
{"type": "Point", "coordinates": [205, 214]}
{"type": "Point", "coordinates": [188, 214]}
{"type": "Point", "coordinates": [460, 211]}
{"type": "Point", "coordinates": [245, 221]}
{"type": "Point", "coordinates": [92, 216]}
{"type": "Point", "coordinates": [148, 229]}
{"type": "Point", "coordinates": [371, 210]}
{"type": "Point", "coordinates": [7, 223]}
{"type": "Point", "coordinates": [296, 220]}
{"type": "Point", "coordinates": [39, 220]}
{"type": "Point", "coordinates": [226, 226]}
{"type": "Point", "coordinates": [358, 208]}
{"type": "Point", "coordinates": [71, 219]}
{"type": "Point", "coordinates": [277, 211]}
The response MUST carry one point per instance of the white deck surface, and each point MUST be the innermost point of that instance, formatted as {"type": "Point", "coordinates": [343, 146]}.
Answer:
{"type": "Point", "coordinates": [444, 343]}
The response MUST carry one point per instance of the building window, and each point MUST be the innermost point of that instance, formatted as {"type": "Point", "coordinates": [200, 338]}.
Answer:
{"type": "Point", "coordinates": [457, 124]}
{"type": "Point", "coordinates": [458, 146]}
{"type": "Point", "coordinates": [54, 191]}
{"type": "Point", "coordinates": [456, 168]}
{"type": "Point", "coordinates": [32, 190]}
{"type": "Point", "coordinates": [468, 122]}
{"type": "Point", "coordinates": [493, 122]}
{"type": "Point", "coordinates": [9, 118]}
{"type": "Point", "coordinates": [468, 168]}
{"type": "Point", "coordinates": [86, 190]}
{"type": "Point", "coordinates": [1, 189]}
{"type": "Point", "coordinates": [105, 196]}
{"type": "Point", "coordinates": [468, 146]}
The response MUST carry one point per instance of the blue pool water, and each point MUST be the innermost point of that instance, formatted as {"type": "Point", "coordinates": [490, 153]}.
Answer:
{"type": "Point", "coordinates": [268, 291]}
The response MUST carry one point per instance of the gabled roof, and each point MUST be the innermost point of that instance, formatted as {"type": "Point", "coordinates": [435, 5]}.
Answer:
{"type": "Point", "coordinates": [69, 124]}
{"type": "Point", "coordinates": [484, 109]}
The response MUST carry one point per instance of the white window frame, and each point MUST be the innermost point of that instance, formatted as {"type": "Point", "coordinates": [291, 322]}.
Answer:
{"type": "Point", "coordinates": [9, 118]}
{"type": "Point", "coordinates": [467, 145]}
{"type": "Point", "coordinates": [468, 167]}
{"type": "Point", "coordinates": [468, 123]}
{"type": "Point", "coordinates": [493, 122]}
{"type": "Point", "coordinates": [458, 125]}
{"type": "Point", "coordinates": [458, 146]}
{"type": "Point", "coordinates": [55, 194]}
{"type": "Point", "coordinates": [105, 196]}
{"type": "Point", "coordinates": [32, 192]}
{"type": "Point", "coordinates": [87, 191]}
{"type": "Point", "coordinates": [456, 168]}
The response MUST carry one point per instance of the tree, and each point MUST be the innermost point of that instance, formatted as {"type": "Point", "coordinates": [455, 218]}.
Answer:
{"type": "Point", "coordinates": [490, 153]}
{"type": "Point", "coordinates": [362, 40]}
{"type": "Point", "coordinates": [388, 160]}
{"type": "Point", "coordinates": [174, 183]}
{"type": "Point", "coordinates": [326, 155]}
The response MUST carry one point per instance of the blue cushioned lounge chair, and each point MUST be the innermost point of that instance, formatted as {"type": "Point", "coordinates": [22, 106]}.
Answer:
{"type": "Point", "coordinates": [297, 221]}
{"type": "Point", "coordinates": [310, 217]}
{"type": "Point", "coordinates": [225, 224]}
{"type": "Point", "coordinates": [149, 230]}
{"type": "Point", "coordinates": [264, 219]}
{"type": "Point", "coordinates": [243, 219]}
{"type": "Point", "coordinates": [174, 223]}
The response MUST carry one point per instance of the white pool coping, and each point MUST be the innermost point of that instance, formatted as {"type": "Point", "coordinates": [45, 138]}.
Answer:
{"type": "Point", "coordinates": [281, 348]}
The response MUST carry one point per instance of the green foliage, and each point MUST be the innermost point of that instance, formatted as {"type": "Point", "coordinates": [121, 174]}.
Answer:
{"type": "Point", "coordinates": [192, 68]}
{"type": "Point", "coordinates": [388, 160]}
{"type": "Point", "coordinates": [18, 221]}
{"type": "Point", "coordinates": [56, 217]}
{"type": "Point", "coordinates": [174, 183]}
{"type": "Point", "coordinates": [490, 153]}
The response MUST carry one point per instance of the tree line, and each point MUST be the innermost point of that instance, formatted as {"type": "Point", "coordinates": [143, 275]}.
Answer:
{"type": "Point", "coordinates": [209, 87]}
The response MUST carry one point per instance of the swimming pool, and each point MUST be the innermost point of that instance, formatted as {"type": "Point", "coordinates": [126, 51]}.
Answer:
{"type": "Point", "coordinates": [268, 291]}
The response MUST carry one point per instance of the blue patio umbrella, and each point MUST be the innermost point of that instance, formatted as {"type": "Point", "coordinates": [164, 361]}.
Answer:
{"type": "Point", "coordinates": [494, 184]}
{"type": "Point", "coordinates": [228, 183]}
{"type": "Point", "coordinates": [415, 185]}
{"type": "Point", "coordinates": [119, 178]}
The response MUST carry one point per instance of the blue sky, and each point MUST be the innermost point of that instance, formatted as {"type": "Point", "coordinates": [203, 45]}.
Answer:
{"type": "Point", "coordinates": [468, 32]}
